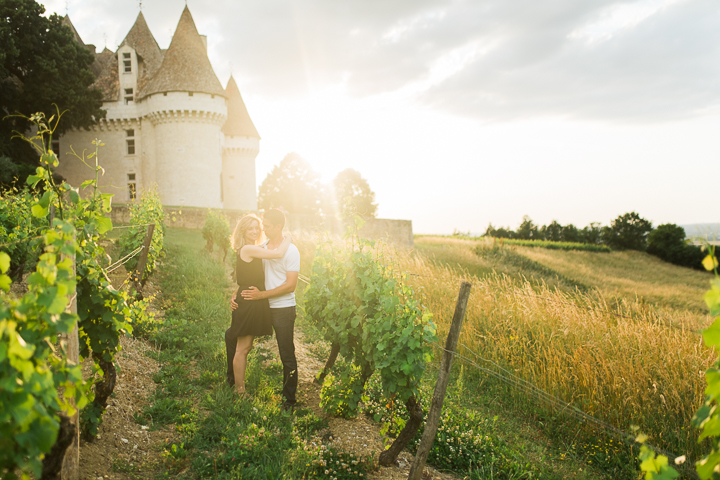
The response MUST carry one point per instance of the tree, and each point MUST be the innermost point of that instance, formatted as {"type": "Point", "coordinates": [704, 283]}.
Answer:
{"type": "Point", "coordinates": [353, 194]}
{"type": "Point", "coordinates": [552, 232]}
{"type": "Point", "coordinates": [627, 232]}
{"type": "Point", "coordinates": [592, 233]}
{"type": "Point", "coordinates": [570, 233]}
{"type": "Point", "coordinates": [667, 241]}
{"type": "Point", "coordinates": [502, 232]}
{"type": "Point", "coordinates": [527, 230]}
{"type": "Point", "coordinates": [41, 64]}
{"type": "Point", "coordinates": [292, 185]}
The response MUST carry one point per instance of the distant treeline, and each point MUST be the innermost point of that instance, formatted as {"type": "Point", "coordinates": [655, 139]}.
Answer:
{"type": "Point", "coordinates": [627, 232]}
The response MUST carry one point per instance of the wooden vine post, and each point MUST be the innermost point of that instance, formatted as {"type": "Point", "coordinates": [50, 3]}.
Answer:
{"type": "Point", "coordinates": [440, 388]}
{"type": "Point", "coordinates": [71, 462]}
{"type": "Point", "coordinates": [140, 269]}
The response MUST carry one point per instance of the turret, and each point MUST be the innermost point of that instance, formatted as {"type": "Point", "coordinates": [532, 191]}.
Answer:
{"type": "Point", "coordinates": [242, 145]}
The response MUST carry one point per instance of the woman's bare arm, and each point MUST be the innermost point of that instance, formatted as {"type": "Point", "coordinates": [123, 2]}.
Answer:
{"type": "Point", "coordinates": [248, 252]}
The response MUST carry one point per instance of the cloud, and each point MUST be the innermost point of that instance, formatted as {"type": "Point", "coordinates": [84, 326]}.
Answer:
{"type": "Point", "coordinates": [494, 60]}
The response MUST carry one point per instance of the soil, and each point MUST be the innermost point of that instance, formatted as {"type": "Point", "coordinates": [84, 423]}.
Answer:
{"type": "Point", "coordinates": [359, 436]}
{"type": "Point", "coordinates": [120, 440]}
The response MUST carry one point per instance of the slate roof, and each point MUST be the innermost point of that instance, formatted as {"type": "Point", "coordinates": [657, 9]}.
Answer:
{"type": "Point", "coordinates": [238, 121]}
{"type": "Point", "coordinates": [185, 66]}
{"type": "Point", "coordinates": [108, 80]}
{"type": "Point", "coordinates": [149, 55]}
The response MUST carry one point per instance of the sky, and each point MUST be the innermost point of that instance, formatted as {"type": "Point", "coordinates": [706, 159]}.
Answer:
{"type": "Point", "coordinates": [465, 113]}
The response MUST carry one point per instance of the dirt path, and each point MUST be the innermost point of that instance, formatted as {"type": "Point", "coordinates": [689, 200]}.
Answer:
{"type": "Point", "coordinates": [360, 435]}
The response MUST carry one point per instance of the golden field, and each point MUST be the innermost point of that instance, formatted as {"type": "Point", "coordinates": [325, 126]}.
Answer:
{"type": "Point", "coordinates": [614, 334]}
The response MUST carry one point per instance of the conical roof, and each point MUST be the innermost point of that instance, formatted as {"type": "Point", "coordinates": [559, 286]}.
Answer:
{"type": "Point", "coordinates": [238, 121]}
{"type": "Point", "coordinates": [150, 56]}
{"type": "Point", "coordinates": [66, 21]}
{"type": "Point", "coordinates": [185, 66]}
{"type": "Point", "coordinates": [108, 79]}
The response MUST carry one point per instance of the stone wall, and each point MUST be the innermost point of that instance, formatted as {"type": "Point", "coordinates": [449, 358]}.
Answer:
{"type": "Point", "coordinates": [393, 231]}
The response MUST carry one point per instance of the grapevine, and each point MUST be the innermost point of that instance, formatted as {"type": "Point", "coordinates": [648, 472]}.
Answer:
{"type": "Point", "coordinates": [33, 365]}
{"type": "Point", "coordinates": [372, 318]}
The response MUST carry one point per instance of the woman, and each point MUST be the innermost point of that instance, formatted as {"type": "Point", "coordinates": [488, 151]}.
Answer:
{"type": "Point", "coordinates": [250, 318]}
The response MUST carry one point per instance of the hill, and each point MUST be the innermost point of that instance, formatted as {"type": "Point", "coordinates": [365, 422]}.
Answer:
{"type": "Point", "coordinates": [616, 276]}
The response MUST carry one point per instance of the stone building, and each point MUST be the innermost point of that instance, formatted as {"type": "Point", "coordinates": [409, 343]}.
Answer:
{"type": "Point", "coordinates": [169, 123]}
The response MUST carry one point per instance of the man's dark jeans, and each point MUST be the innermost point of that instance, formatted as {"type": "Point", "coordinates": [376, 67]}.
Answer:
{"type": "Point", "coordinates": [283, 321]}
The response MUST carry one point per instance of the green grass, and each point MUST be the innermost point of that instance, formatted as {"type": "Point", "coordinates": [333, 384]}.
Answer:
{"type": "Point", "coordinates": [217, 434]}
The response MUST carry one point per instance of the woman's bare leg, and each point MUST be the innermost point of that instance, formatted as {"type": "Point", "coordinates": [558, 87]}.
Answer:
{"type": "Point", "coordinates": [244, 345]}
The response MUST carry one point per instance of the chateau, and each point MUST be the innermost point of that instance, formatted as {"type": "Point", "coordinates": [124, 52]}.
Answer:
{"type": "Point", "coordinates": [169, 123]}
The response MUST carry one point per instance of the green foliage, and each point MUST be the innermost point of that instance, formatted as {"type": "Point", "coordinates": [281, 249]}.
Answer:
{"type": "Point", "coordinates": [627, 232]}
{"type": "Point", "coordinates": [292, 185]}
{"type": "Point", "coordinates": [707, 418]}
{"type": "Point", "coordinates": [365, 307]}
{"type": "Point", "coordinates": [33, 365]}
{"type": "Point", "coordinates": [147, 210]}
{"type": "Point", "coordinates": [527, 230]}
{"type": "Point", "coordinates": [465, 442]}
{"type": "Point", "coordinates": [143, 321]}
{"type": "Point", "coordinates": [667, 241]}
{"type": "Point", "coordinates": [216, 232]}
{"type": "Point", "coordinates": [36, 48]}
{"type": "Point", "coordinates": [588, 247]}
{"type": "Point", "coordinates": [354, 195]}
{"type": "Point", "coordinates": [19, 230]}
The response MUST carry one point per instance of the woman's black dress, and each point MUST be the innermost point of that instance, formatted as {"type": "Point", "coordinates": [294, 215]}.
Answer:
{"type": "Point", "coordinates": [252, 317]}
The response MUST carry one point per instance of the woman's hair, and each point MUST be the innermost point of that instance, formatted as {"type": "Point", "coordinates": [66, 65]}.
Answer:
{"type": "Point", "coordinates": [237, 239]}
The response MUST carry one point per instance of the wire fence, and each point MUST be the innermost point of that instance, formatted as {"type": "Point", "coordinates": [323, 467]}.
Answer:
{"type": "Point", "coordinates": [557, 403]}
{"type": "Point", "coordinates": [125, 259]}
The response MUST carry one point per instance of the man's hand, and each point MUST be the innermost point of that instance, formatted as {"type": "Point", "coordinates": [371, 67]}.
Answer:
{"type": "Point", "coordinates": [233, 303]}
{"type": "Point", "coordinates": [252, 294]}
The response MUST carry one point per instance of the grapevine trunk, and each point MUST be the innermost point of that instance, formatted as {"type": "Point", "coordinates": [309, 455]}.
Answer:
{"type": "Point", "coordinates": [389, 456]}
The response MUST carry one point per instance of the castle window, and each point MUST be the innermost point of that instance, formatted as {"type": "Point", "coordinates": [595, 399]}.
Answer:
{"type": "Point", "coordinates": [130, 143]}
{"type": "Point", "coordinates": [132, 186]}
{"type": "Point", "coordinates": [128, 96]}
{"type": "Point", "coordinates": [190, 94]}
{"type": "Point", "coordinates": [127, 63]}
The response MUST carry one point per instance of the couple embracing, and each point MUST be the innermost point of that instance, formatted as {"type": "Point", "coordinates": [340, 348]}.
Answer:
{"type": "Point", "coordinates": [267, 275]}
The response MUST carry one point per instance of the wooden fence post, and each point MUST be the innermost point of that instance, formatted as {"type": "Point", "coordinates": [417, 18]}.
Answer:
{"type": "Point", "coordinates": [443, 376]}
{"type": "Point", "coordinates": [140, 269]}
{"type": "Point", "coordinates": [71, 462]}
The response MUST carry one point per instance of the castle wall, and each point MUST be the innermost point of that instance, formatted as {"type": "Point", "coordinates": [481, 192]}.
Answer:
{"type": "Point", "coordinates": [390, 230]}
{"type": "Point", "coordinates": [113, 156]}
{"type": "Point", "coordinates": [239, 181]}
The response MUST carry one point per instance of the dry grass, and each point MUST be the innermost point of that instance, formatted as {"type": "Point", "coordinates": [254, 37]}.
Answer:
{"type": "Point", "coordinates": [644, 366]}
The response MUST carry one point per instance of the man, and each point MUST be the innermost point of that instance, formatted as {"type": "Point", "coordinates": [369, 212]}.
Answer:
{"type": "Point", "coordinates": [281, 277]}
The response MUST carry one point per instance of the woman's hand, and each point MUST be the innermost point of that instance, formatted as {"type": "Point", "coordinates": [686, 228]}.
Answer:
{"type": "Point", "coordinates": [233, 303]}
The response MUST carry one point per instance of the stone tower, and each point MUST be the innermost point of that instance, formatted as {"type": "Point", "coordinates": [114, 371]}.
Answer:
{"type": "Point", "coordinates": [185, 105]}
{"type": "Point", "coordinates": [242, 145]}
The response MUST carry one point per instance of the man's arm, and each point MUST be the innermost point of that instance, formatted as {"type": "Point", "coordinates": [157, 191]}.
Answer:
{"type": "Point", "coordinates": [289, 286]}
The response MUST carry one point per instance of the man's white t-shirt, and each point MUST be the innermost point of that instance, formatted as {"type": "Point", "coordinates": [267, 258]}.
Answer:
{"type": "Point", "coordinates": [276, 275]}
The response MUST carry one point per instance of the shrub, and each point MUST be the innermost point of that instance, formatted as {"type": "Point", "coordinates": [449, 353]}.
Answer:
{"type": "Point", "coordinates": [147, 210]}
{"type": "Point", "coordinates": [667, 242]}
{"type": "Point", "coordinates": [216, 231]}
{"type": "Point", "coordinates": [558, 245]}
